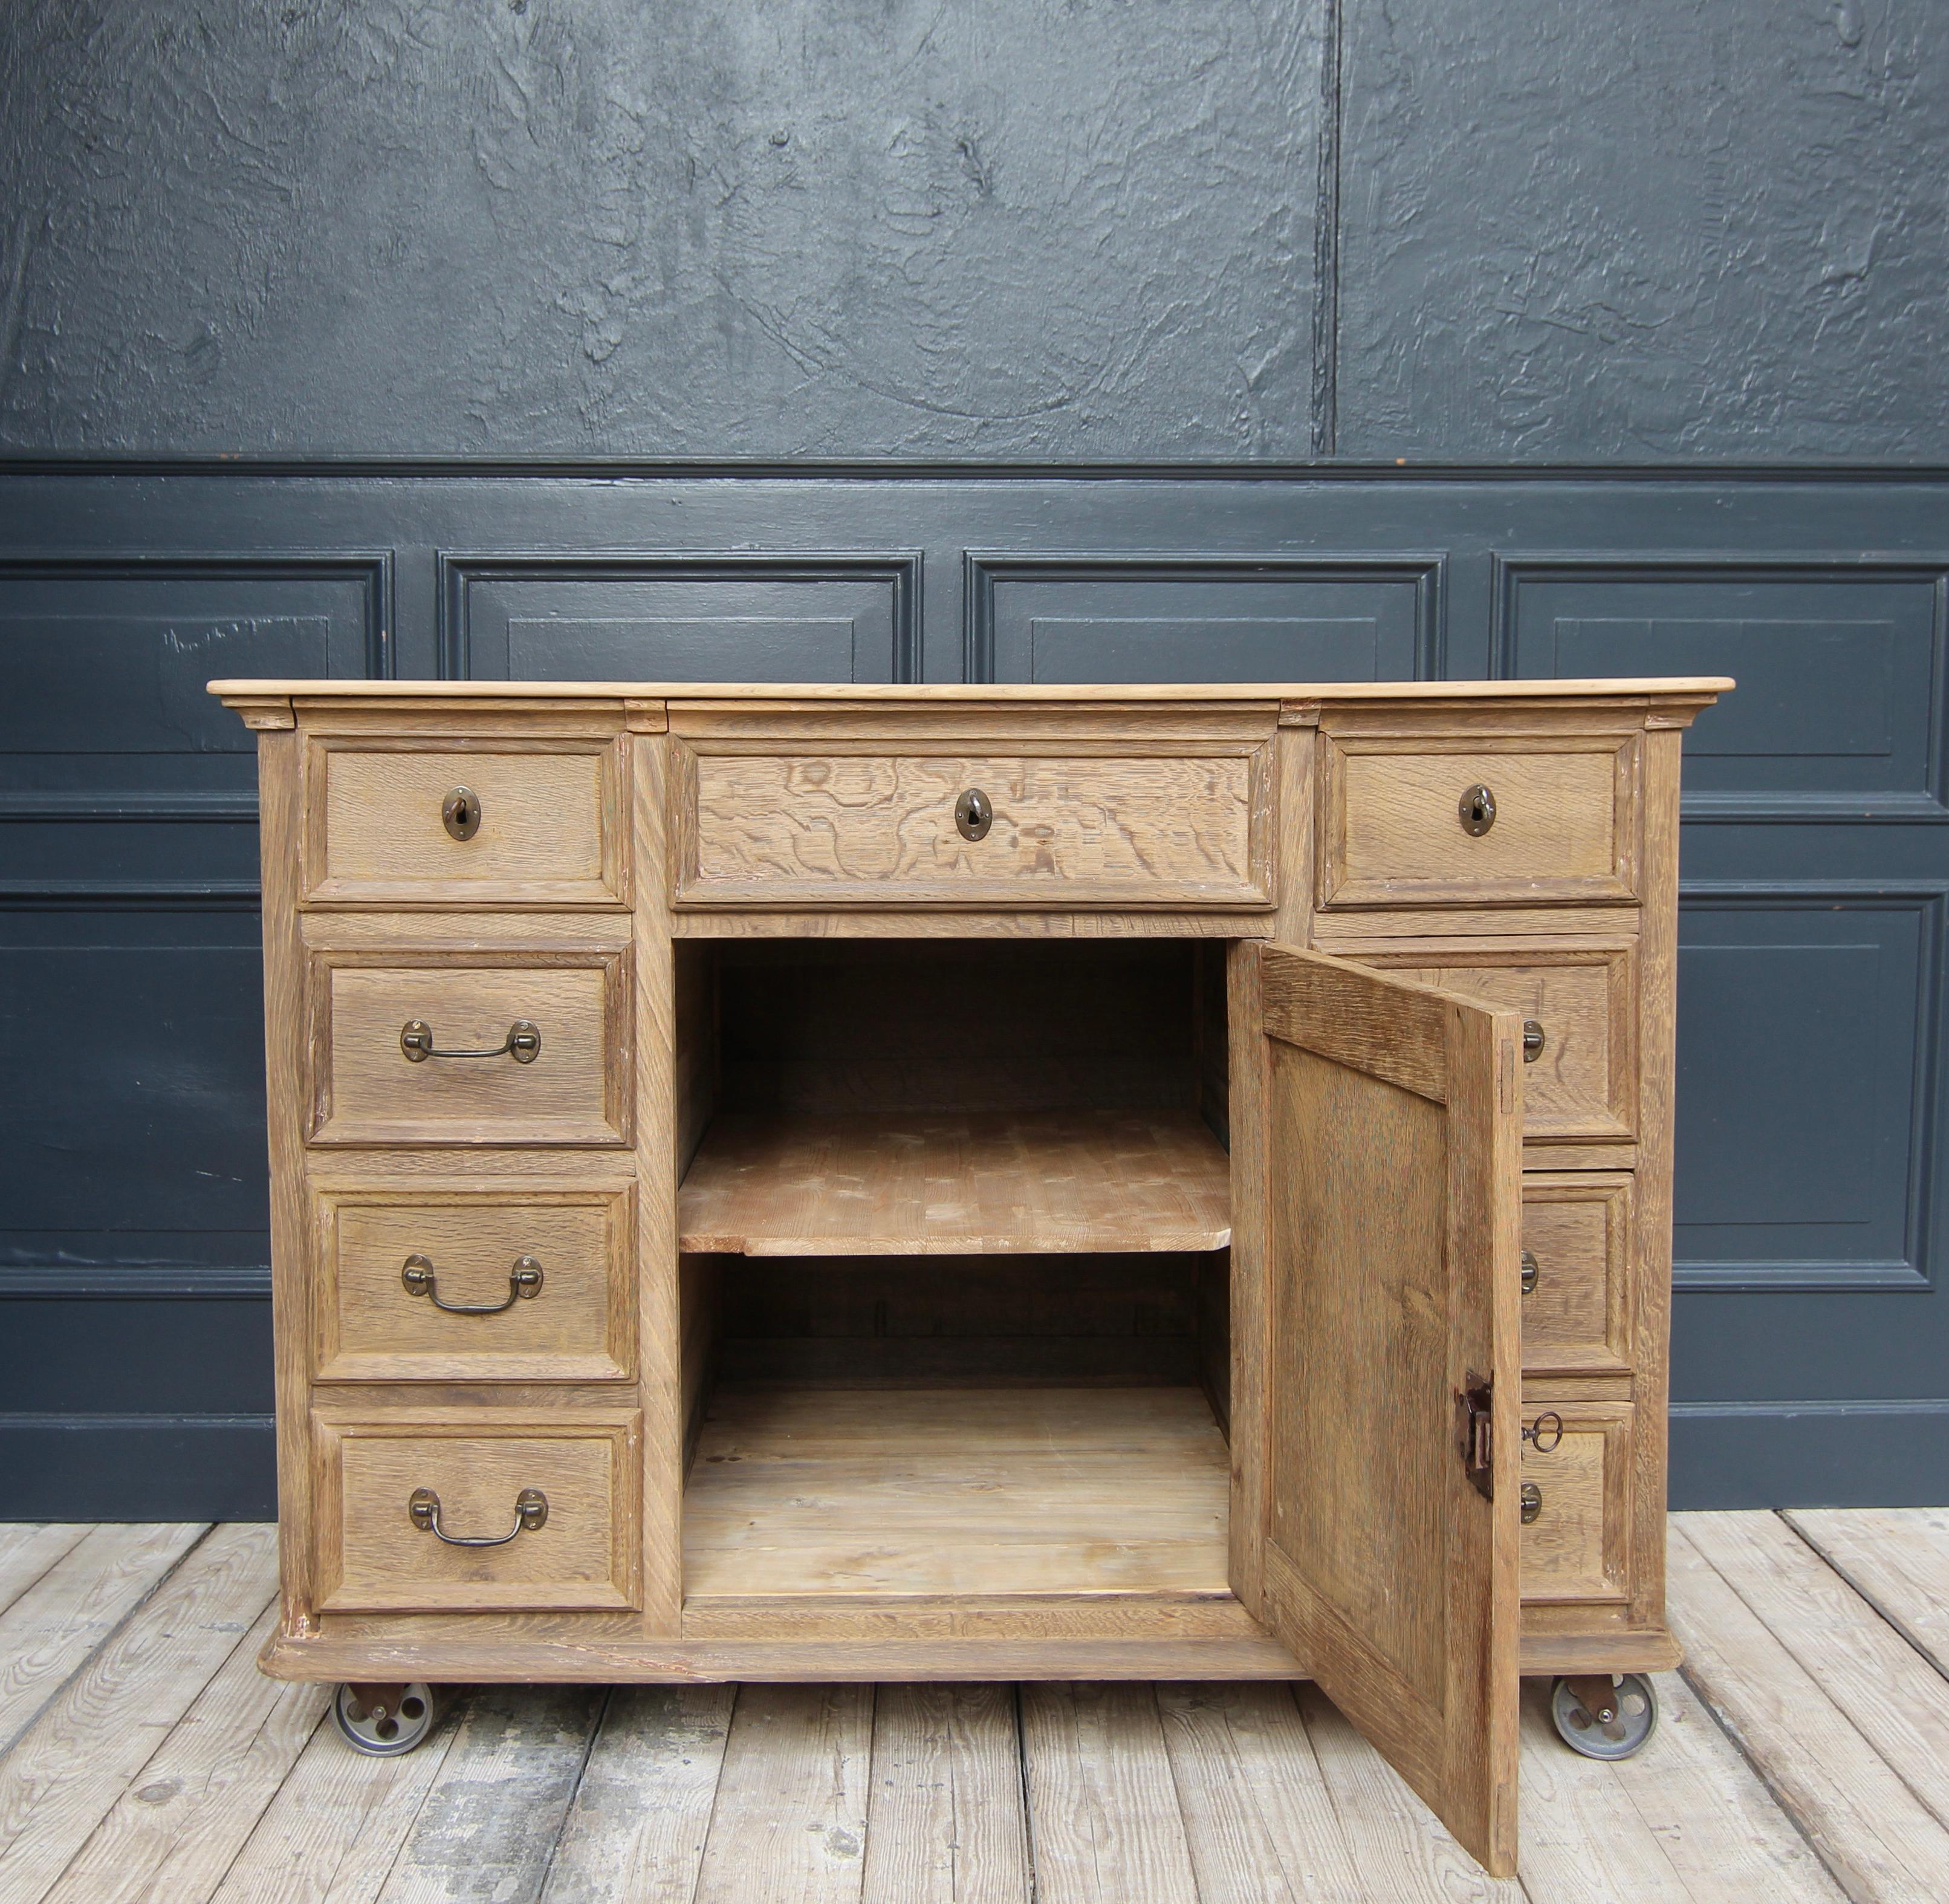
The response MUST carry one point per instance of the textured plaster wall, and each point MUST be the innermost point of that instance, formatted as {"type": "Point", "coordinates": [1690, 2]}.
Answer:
{"type": "Point", "coordinates": [724, 227]}
{"type": "Point", "coordinates": [1069, 229]}
{"type": "Point", "coordinates": [1645, 229]}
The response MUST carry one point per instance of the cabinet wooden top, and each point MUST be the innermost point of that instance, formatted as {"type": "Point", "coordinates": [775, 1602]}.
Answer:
{"type": "Point", "coordinates": [1696, 690]}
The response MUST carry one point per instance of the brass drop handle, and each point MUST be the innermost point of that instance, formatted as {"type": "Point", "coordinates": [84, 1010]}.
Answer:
{"type": "Point", "coordinates": [523, 1280]}
{"type": "Point", "coordinates": [460, 813]}
{"type": "Point", "coordinates": [1545, 1434]}
{"type": "Point", "coordinates": [530, 1512]}
{"type": "Point", "coordinates": [974, 814]}
{"type": "Point", "coordinates": [1531, 1498]}
{"type": "Point", "coordinates": [1477, 808]}
{"type": "Point", "coordinates": [523, 1044]}
{"type": "Point", "coordinates": [1533, 1041]}
{"type": "Point", "coordinates": [1532, 1273]}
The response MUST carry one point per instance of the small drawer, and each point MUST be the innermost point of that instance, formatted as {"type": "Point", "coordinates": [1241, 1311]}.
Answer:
{"type": "Point", "coordinates": [1580, 1083]}
{"type": "Point", "coordinates": [1576, 1545]}
{"type": "Point", "coordinates": [422, 1046]}
{"type": "Point", "coordinates": [401, 1494]}
{"type": "Point", "coordinates": [1477, 821]}
{"type": "Point", "coordinates": [775, 827]}
{"type": "Point", "coordinates": [485, 822]}
{"type": "Point", "coordinates": [466, 1286]}
{"type": "Point", "coordinates": [1577, 1256]}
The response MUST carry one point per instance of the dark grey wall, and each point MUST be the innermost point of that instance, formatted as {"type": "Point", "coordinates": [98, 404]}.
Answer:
{"type": "Point", "coordinates": [1317, 246]}
{"type": "Point", "coordinates": [1444, 229]}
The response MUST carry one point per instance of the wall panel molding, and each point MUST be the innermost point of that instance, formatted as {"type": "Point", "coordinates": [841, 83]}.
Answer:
{"type": "Point", "coordinates": [1910, 1269]}
{"type": "Point", "coordinates": [1714, 572]}
{"type": "Point", "coordinates": [461, 574]}
{"type": "Point", "coordinates": [986, 572]}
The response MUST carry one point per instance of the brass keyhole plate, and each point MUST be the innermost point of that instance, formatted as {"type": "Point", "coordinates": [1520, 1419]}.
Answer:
{"type": "Point", "coordinates": [1478, 809]}
{"type": "Point", "coordinates": [460, 813]}
{"type": "Point", "coordinates": [974, 814]}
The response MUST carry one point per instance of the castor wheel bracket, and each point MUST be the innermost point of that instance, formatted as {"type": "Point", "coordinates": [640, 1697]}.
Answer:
{"type": "Point", "coordinates": [384, 1719]}
{"type": "Point", "coordinates": [1602, 1715]}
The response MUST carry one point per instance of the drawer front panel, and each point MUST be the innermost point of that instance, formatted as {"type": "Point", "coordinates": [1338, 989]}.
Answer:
{"type": "Point", "coordinates": [1561, 821]}
{"type": "Point", "coordinates": [826, 829]}
{"type": "Point", "coordinates": [538, 824]}
{"type": "Point", "coordinates": [1576, 1231]}
{"type": "Point", "coordinates": [1578, 1546]}
{"type": "Point", "coordinates": [373, 1556]}
{"type": "Point", "coordinates": [567, 1316]}
{"type": "Point", "coordinates": [1582, 1083]}
{"type": "Point", "coordinates": [366, 1089]}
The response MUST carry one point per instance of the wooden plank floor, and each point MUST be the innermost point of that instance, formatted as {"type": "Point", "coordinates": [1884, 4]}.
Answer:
{"type": "Point", "coordinates": [1804, 1755]}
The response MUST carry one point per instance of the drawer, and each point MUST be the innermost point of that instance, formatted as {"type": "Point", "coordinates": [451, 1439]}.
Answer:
{"type": "Point", "coordinates": [574, 1546]}
{"type": "Point", "coordinates": [780, 827]}
{"type": "Point", "coordinates": [1582, 1084]}
{"type": "Point", "coordinates": [1577, 1240]}
{"type": "Point", "coordinates": [1561, 822]}
{"type": "Point", "coordinates": [1577, 1547]}
{"type": "Point", "coordinates": [467, 822]}
{"type": "Point", "coordinates": [532, 1285]}
{"type": "Point", "coordinates": [483, 1083]}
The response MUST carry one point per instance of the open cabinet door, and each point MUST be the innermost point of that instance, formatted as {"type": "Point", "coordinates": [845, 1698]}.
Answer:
{"type": "Point", "coordinates": [1390, 1523]}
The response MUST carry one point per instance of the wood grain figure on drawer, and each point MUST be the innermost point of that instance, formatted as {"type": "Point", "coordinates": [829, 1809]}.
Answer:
{"type": "Point", "coordinates": [1557, 819]}
{"type": "Point", "coordinates": [374, 1554]}
{"type": "Point", "coordinates": [1578, 1546]}
{"type": "Point", "coordinates": [548, 1275]}
{"type": "Point", "coordinates": [541, 824]}
{"type": "Point", "coordinates": [576, 1089]}
{"type": "Point", "coordinates": [1577, 1245]}
{"type": "Point", "coordinates": [769, 828]}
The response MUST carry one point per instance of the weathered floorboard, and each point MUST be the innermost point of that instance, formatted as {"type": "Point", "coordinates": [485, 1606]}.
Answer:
{"type": "Point", "coordinates": [1726, 1836]}
{"type": "Point", "coordinates": [1103, 1813]}
{"type": "Point", "coordinates": [28, 1548]}
{"type": "Point", "coordinates": [487, 1826]}
{"type": "Point", "coordinates": [637, 1828]}
{"type": "Point", "coordinates": [66, 1772]}
{"type": "Point", "coordinates": [1257, 1816]}
{"type": "Point", "coordinates": [1897, 1558]}
{"type": "Point", "coordinates": [331, 1834]}
{"type": "Point", "coordinates": [791, 1822]}
{"type": "Point", "coordinates": [1401, 1849]}
{"type": "Point", "coordinates": [1873, 1832]}
{"type": "Point", "coordinates": [945, 1821]}
{"type": "Point", "coordinates": [55, 1624]}
{"type": "Point", "coordinates": [185, 1815]}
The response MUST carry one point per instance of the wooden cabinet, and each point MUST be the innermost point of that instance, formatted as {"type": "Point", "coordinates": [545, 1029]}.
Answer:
{"type": "Point", "coordinates": [976, 1183]}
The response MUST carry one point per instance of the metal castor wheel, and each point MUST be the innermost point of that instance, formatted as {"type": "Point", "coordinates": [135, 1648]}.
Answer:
{"type": "Point", "coordinates": [1603, 1715]}
{"type": "Point", "coordinates": [384, 1720]}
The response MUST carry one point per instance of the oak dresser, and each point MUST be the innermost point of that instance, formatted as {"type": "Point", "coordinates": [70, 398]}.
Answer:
{"type": "Point", "coordinates": [977, 1182]}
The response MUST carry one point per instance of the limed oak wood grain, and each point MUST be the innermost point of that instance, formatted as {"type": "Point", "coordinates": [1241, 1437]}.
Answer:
{"type": "Point", "coordinates": [830, 829]}
{"type": "Point", "coordinates": [987, 1491]}
{"type": "Point", "coordinates": [1394, 1151]}
{"type": "Point", "coordinates": [918, 1184]}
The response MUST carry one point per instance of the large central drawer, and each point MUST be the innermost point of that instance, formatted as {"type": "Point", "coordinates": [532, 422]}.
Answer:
{"type": "Point", "coordinates": [805, 825]}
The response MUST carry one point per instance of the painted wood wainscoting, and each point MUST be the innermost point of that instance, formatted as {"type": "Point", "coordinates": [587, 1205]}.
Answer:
{"type": "Point", "coordinates": [1803, 1755]}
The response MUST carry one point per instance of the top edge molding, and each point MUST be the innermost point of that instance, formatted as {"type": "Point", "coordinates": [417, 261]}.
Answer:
{"type": "Point", "coordinates": [250, 693]}
{"type": "Point", "coordinates": [650, 469]}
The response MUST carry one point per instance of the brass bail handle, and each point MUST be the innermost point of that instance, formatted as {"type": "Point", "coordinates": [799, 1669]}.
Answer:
{"type": "Point", "coordinates": [523, 1280]}
{"type": "Point", "coordinates": [522, 1042]}
{"type": "Point", "coordinates": [530, 1512]}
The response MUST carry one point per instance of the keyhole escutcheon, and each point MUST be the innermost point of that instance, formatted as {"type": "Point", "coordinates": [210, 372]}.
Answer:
{"type": "Point", "coordinates": [1478, 809]}
{"type": "Point", "coordinates": [460, 813]}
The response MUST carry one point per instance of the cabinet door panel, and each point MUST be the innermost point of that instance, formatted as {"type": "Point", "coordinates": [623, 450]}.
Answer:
{"type": "Point", "coordinates": [1394, 1115]}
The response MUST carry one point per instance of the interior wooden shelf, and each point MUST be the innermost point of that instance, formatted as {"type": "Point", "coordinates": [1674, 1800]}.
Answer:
{"type": "Point", "coordinates": [928, 1184]}
{"type": "Point", "coordinates": [817, 1490]}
